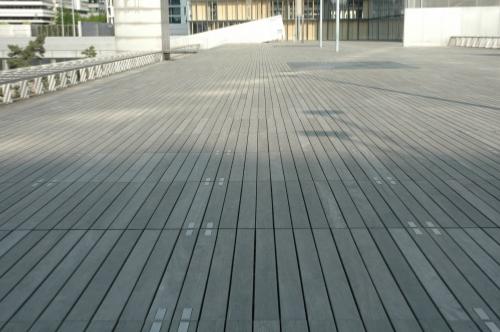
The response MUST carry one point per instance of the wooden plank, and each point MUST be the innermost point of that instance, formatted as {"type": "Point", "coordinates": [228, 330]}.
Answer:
{"type": "Point", "coordinates": [13, 274]}
{"type": "Point", "coordinates": [247, 214]}
{"type": "Point", "coordinates": [477, 254]}
{"type": "Point", "coordinates": [15, 297]}
{"type": "Point", "coordinates": [240, 302]}
{"type": "Point", "coordinates": [10, 240]}
{"type": "Point", "coordinates": [82, 311]}
{"type": "Point", "coordinates": [487, 243]}
{"type": "Point", "coordinates": [190, 299]}
{"type": "Point", "coordinates": [134, 312]}
{"type": "Point", "coordinates": [169, 288]}
{"type": "Point", "coordinates": [456, 282]}
{"type": "Point", "coordinates": [118, 294]}
{"type": "Point", "coordinates": [349, 210]}
{"type": "Point", "coordinates": [264, 208]}
{"type": "Point", "coordinates": [369, 304]}
{"type": "Point", "coordinates": [40, 298]}
{"type": "Point", "coordinates": [447, 303]}
{"type": "Point", "coordinates": [343, 303]}
{"type": "Point", "coordinates": [213, 312]}
{"type": "Point", "coordinates": [475, 273]}
{"type": "Point", "coordinates": [54, 314]}
{"type": "Point", "coordinates": [317, 302]}
{"type": "Point", "coordinates": [230, 210]}
{"type": "Point", "coordinates": [298, 211]}
{"type": "Point", "coordinates": [422, 305]}
{"type": "Point", "coordinates": [291, 299]}
{"type": "Point", "coordinates": [100, 207]}
{"type": "Point", "coordinates": [266, 302]}
{"type": "Point", "coordinates": [197, 206]}
{"type": "Point", "coordinates": [281, 209]}
{"type": "Point", "coordinates": [395, 304]}
{"type": "Point", "coordinates": [175, 202]}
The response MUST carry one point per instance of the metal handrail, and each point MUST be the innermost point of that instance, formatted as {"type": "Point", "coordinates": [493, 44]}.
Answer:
{"type": "Point", "coordinates": [23, 83]}
{"type": "Point", "coordinates": [14, 75]}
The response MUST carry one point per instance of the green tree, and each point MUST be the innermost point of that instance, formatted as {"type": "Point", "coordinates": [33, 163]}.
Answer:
{"type": "Point", "coordinates": [68, 17]}
{"type": "Point", "coordinates": [100, 18]}
{"type": "Point", "coordinates": [24, 57]}
{"type": "Point", "coordinates": [90, 52]}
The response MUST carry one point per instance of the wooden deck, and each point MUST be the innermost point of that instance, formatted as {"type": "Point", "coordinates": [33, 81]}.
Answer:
{"type": "Point", "coordinates": [265, 188]}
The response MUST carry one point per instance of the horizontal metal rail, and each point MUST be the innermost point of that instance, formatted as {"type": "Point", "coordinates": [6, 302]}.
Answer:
{"type": "Point", "coordinates": [23, 83]}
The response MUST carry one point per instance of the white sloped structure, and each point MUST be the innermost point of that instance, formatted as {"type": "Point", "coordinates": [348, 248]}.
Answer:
{"type": "Point", "coordinates": [259, 31]}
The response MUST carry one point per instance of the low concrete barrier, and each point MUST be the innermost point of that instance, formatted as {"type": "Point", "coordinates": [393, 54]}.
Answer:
{"type": "Point", "coordinates": [15, 30]}
{"type": "Point", "coordinates": [64, 47]}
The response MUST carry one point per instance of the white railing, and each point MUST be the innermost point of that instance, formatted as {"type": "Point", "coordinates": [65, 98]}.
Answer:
{"type": "Point", "coordinates": [25, 82]}
{"type": "Point", "coordinates": [474, 41]}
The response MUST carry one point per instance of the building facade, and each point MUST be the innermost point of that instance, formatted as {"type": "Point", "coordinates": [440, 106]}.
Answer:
{"type": "Point", "coordinates": [80, 6]}
{"type": "Point", "coordinates": [110, 11]}
{"type": "Point", "coordinates": [359, 19]}
{"type": "Point", "coordinates": [178, 17]}
{"type": "Point", "coordinates": [37, 11]}
{"type": "Point", "coordinates": [23, 12]}
{"type": "Point", "coordinates": [97, 7]}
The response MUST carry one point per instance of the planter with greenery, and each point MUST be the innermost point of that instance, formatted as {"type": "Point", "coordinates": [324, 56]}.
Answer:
{"type": "Point", "coordinates": [25, 57]}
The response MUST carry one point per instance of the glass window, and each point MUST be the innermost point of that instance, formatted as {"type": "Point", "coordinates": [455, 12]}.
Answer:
{"type": "Point", "coordinates": [174, 11]}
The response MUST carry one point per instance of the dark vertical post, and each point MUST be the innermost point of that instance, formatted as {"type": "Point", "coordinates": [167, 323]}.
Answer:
{"type": "Point", "coordinates": [165, 29]}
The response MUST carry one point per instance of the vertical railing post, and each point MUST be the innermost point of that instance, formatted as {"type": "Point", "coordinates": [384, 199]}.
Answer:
{"type": "Point", "coordinates": [37, 86]}
{"type": "Point", "coordinates": [52, 82]}
{"type": "Point", "coordinates": [83, 75]}
{"type": "Point", "coordinates": [7, 93]}
{"type": "Point", "coordinates": [63, 80]}
{"type": "Point", "coordinates": [91, 71]}
{"type": "Point", "coordinates": [73, 77]}
{"type": "Point", "coordinates": [23, 90]}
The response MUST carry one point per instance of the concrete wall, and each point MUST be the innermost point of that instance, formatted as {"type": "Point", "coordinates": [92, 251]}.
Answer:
{"type": "Point", "coordinates": [15, 30]}
{"type": "Point", "coordinates": [64, 47]}
{"type": "Point", "coordinates": [259, 31]}
{"type": "Point", "coordinates": [435, 26]}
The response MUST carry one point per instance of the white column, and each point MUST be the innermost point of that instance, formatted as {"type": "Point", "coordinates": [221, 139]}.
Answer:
{"type": "Point", "coordinates": [320, 23]}
{"type": "Point", "coordinates": [139, 23]}
{"type": "Point", "coordinates": [337, 26]}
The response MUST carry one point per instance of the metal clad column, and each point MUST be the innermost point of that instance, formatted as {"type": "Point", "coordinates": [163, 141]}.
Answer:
{"type": "Point", "coordinates": [320, 23]}
{"type": "Point", "coordinates": [299, 12]}
{"type": "Point", "coordinates": [165, 30]}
